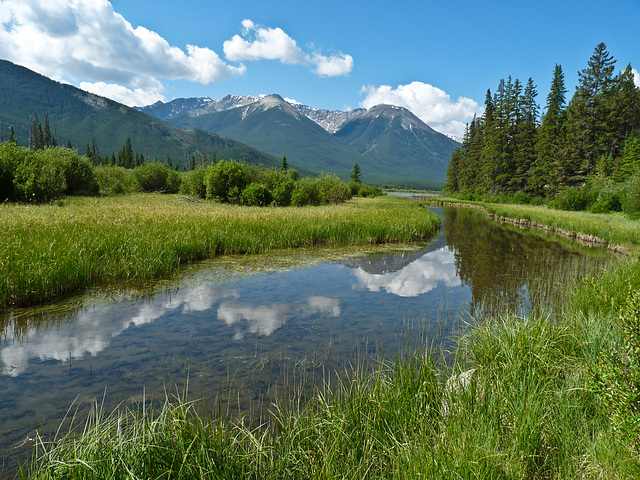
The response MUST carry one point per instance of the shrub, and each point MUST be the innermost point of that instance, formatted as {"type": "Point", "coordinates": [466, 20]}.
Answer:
{"type": "Point", "coordinates": [114, 180]}
{"type": "Point", "coordinates": [193, 182]}
{"type": "Point", "coordinates": [306, 192]}
{"type": "Point", "coordinates": [283, 191]}
{"type": "Point", "coordinates": [631, 202]}
{"type": "Point", "coordinates": [151, 177]}
{"type": "Point", "coordinates": [369, 191]}
{"type": "Point", "coordinates": [79, 172]}
{"type": "Point", "coordinates": [225, 181]}
{"type": "Point", "coordinates": [574, 199]}
{"type": "Point", "coordinates": [617, 376]}
{"type": "Point", "coordinates": [332, 189]}
{"type": "Point", "coordinates": [257, 195]}
{"type": "Point", "coordinates": [11, 155]}
{"type": "Point", "coordinates": [39, 178]}
{"type": "Point", "coordinates": [174, 180]}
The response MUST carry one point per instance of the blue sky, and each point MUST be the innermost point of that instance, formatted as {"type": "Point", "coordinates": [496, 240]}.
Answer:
{"type": "Point", "coordinates": [436, 58]}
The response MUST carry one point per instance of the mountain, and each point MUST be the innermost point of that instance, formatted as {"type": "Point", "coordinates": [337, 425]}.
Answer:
{"type": "Point", "coordinates": [330, 120]}
{"type": "Point", "coordinates": [391, 145]}
{"type": "Point", "coordinates": [275, 126]}
{"type": "Point", "coordinates": [386, 131]}
{"type": "Point", "coordinates": [78, 117]}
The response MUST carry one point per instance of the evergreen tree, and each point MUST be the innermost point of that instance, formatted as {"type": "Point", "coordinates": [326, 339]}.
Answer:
{"type": "Point", "coordinates": [285, 166]}
{"type": "Point", "coordinates": [547, 173]}
{"type": "Point", "coordinates": [355, 173]}
{"type": "Point", "coordinates": [587, 117]}
{"type": "Point", "coordinates": [525, 137]}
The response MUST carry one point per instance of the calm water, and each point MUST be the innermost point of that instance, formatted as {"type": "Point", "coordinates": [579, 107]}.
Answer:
{"type": "Point", "coordinates": [262, 332]}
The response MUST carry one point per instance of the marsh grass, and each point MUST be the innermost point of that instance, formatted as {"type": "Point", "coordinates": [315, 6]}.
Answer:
{"type": "Point", "coordinates": [48, 251]}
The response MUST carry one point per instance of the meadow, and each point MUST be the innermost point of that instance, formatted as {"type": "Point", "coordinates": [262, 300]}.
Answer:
{"type": "Point", "coordinates": [49, 251]}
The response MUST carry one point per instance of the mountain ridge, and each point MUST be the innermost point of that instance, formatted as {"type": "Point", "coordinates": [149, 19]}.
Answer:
{"type": "Point", "coordinates": [78, 117]}
{"type": "Point", "coordinates": [390, 143]}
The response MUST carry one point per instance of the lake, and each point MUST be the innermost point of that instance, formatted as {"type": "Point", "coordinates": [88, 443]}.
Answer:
{"type": "Point", "coordinates": [243, 330]}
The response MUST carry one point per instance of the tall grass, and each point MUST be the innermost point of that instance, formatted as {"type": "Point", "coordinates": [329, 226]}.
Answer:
{"type": "Point", "coordinates": [516, 402]}
{"type": "Point", "coordinates": [51, 250]}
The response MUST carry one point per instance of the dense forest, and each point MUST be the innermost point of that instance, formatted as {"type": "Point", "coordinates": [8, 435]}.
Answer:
{"type": "Point", "coordinates": [580, 155]}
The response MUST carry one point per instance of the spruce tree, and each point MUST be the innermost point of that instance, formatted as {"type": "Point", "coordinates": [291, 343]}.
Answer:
{"type": "Point", "coordinates": [547, 173]}
{"type": "Point", "coordinates": [587, 117]}
{"type": "Point", "coordinates": [355, 173]}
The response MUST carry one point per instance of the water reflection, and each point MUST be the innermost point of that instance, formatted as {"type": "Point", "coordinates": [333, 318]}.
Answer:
{"type": "Point", "coordinates": [221, 329]}
{"type": "Point", "coordinates": [418, 277]}
{"type": "Point", "coordinates": [93, 328]}
{"type": "Point", "coordinates": [265, 319]}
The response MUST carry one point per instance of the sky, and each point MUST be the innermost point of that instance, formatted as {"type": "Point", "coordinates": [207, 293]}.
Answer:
{"type": "Point", "coordinates": [436, 58]}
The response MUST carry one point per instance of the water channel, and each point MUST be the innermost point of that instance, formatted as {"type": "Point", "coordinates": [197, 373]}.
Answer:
{"type": "Point", "coordinates": [259, 324]}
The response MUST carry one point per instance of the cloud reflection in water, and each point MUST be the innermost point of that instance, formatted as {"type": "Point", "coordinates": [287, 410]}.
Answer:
{"type": "Point", "coordinates": [94, 327]}
{"type": "Point", "coordinates": [420, 276]}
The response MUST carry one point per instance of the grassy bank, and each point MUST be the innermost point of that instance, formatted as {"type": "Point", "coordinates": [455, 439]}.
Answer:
{"type": "Point", "coordinates": [51, 250]}
{"type": "Point", "coordinates": [518, 402]}
{"type": "Point", "coordinates": [615, 228]}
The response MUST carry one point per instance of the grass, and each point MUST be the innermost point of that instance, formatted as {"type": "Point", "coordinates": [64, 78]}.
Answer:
{"type": "Point", "coordinates": [615, 228]}
{"type": "Point", "coordinates": [52, 250]}
{"type": "Point", "coordinates": [516, 402]}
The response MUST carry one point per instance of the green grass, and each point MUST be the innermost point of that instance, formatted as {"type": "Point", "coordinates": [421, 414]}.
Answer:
{"type": "Point", "coordinates": [52, 250]}
{"type": "Point", "coordinates": [615, 228]}
{"type": "Point", "coordinates": [527, 410]}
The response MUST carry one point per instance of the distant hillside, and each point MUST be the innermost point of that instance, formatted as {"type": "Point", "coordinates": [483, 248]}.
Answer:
{"type": "Point", "coordinates": [79, 117]}
{"type": "Point", "coordinates": [385, 131]}
{"type": "Point", "coordinates": [390, 144]}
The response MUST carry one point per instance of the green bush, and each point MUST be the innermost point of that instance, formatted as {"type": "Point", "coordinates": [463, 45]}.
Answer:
{"type": "Point", "coordinates": [617, 376]}
{"type": "Point", "coordinates": [151, 177]}
{"type": "Point", "coordinates": [332, 189]}
{"type": "Point", "coordinates": [40, 178]}
{"type": "Point", "coordinates": [174, 180]}
{"type": "Point", "coordinates": [283, 191]}
{"type": "Point", "coordinates": [193, 182]}
{"type": "Point", "coordinates": [306, 192]}
{"type": "Point", "coordinates": [369, 191]}
{"type": "Point", "coordinates": [79, 172]}
{"type": "Point", "coordinates": [225, 181]}
{"type": "Point", "coordinates": [631, 202]}
{"type": "Point", "coordinates": [11, 155]}
{"type": "Point", "coordinates": [574, 199]}
{"type": "Point", "coordinates": [257, 195]}
{"type": "Point", "coordinates": [114, 180]}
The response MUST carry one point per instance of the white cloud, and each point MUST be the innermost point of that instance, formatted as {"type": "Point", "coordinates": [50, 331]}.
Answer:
{"type": "Point", "coordinates": [86, 40]}
{"type": "Point", "coordinates": [431, 104]}
{"type": "Point", "coordinates": [128, 96]}
{"type": "Point", "coordinates": [265, 43]}
{"type": "Point", "coordinates": [636, 77]}
{"type": "Point", "coordinates": [332, 66]}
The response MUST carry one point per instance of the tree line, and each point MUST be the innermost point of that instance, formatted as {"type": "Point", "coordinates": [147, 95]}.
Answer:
{"type": "Point", "coordinates": [593, 141]}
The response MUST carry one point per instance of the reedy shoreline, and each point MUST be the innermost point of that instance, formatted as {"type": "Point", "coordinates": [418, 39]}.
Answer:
{"type": "Point", "coordinates": [48, 251]}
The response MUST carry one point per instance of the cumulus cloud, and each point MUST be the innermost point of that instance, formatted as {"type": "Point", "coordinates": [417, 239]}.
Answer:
{"type": "Point", "coordinates": [332, 66]}
{"type": "Point", "coordinates": [265, 43]}
{"type": "Point", "coordinates": [86, 40]}
{"type": "Point", "coordinates": [636, 77]}
{"type": "Point", "coordinates": [431, 104]}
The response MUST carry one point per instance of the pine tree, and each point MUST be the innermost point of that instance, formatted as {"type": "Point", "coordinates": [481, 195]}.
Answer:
{"type": "Point", "coordinates": [547, 173]}
{"type": "Point", "coordinates": [355, 173]}
{"type": "Point", "coordinates": [285, 165]}
{"type": "Point", "coordinates": [587, 117]}
{"type": "Point", "coordinates": [525, 137]}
